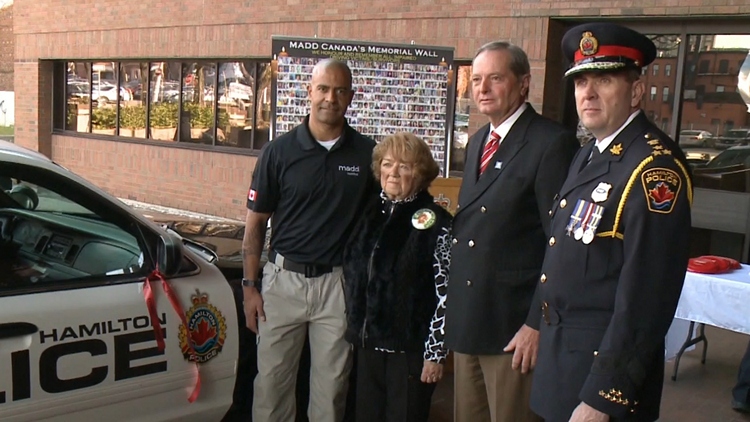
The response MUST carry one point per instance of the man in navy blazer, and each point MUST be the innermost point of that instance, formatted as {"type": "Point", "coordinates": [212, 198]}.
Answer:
{"type": "Point", "coordinates": [514, 167]}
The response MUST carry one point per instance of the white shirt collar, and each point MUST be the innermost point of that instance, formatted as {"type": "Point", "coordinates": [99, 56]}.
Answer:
{"type": "Point", "coordinates": [503, 128]}
{"type": "Point", "coordinates": [604, 143]}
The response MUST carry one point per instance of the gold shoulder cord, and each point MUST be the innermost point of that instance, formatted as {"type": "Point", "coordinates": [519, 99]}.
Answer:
{"type": "Point", "coordinates": [687, 181]}
{"type": "Point", "coordinates": [633, 177]}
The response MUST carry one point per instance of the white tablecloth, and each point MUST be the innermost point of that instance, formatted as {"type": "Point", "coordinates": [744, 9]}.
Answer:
{"type": "Point", "coordinates": [721, 300]}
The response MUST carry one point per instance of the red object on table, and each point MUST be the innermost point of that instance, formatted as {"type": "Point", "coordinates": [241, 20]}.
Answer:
{"type": "Point", "coordinates": [712, 264]}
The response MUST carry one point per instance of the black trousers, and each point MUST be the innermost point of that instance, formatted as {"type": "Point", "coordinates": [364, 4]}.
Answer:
{"type": "Point", "coordinates": [389, 387]}
{"type": "Point", "coordinates": [741, 391]}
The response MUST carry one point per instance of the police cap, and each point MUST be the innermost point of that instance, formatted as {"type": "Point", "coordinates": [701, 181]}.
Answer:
{"type": "Point", "coordinates": [602, 47]}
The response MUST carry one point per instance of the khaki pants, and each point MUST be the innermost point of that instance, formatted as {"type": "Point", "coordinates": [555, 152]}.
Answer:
{"type": "Point", "coordinates": [293, 306]}
{"type": "Point", "coordinates": [488, 389]}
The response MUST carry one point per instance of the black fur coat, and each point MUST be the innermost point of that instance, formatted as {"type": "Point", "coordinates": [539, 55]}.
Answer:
{"type": "Point", "coordinates": [389, 275]}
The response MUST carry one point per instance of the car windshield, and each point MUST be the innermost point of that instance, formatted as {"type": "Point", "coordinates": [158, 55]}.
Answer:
{"type": "Point", "coordinates": [50, 201]}
{"type": "Point", "coordinates": [736, 133]}
{"type": "Point", "coordinates": [730, 157]}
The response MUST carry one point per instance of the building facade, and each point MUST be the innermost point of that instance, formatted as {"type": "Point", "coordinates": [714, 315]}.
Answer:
{"type": "Point", "coordinates": [168, 102]}
{"type": "Point", "coordinates": [6, 47]}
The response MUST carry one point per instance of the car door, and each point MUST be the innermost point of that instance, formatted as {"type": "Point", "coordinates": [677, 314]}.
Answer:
{"type": "Point", "coordinates": [77, 340]}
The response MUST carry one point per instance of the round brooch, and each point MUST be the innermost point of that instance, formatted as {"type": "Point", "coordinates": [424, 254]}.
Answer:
{"type": "Point", "coordinates": [423, 219]}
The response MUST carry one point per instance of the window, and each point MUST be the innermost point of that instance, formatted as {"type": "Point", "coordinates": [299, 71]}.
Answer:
{"type": "Point", "coordinates": [655, 70]}
{"type": "Point", "coordinates": [715, 107]}
{"type": "Point", "coordinates": [461, 127]}
{"type": "Point", "coordinates": [665, 94]}
{"type": "Point", "coordinates": [196, 102]}
{"type": "Point", "coordinates": [724, 66]}
{"type": "Point", "coordinates": [652, 97]}
{"type": "Point", "coordinates": [164, 97]}
{"type": "Point", "coordinates": [197, 122]}
{"type": "Point", "coordinates": [244, 104]}
{"type": "Point", "coordinates": [78, 93]}
{"type": "Point", "coordinates": [703, 66]}
{"type": "Point", "coordinates": [132, 107]}
{"type": "Point", "coordinates": [644, 70]}
{"type": "Point", "coordinates": [55, 231]}
{"type": "Point", "coordinates": [668, 70]}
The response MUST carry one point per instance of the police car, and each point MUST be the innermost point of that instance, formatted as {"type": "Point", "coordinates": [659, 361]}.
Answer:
{"type": "Point", "coordinates": [79, 321]}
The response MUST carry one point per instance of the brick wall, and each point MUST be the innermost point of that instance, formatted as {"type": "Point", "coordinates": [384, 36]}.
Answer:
{"type": "Point", "coordinates": [217, 183]}
{"type": "Point", "coordinates": [199, 181]}
{"type": "Point", "coordinates": [6, 48]}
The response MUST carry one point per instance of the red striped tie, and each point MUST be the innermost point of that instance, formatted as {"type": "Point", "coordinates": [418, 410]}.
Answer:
{"type": "Point", "coordinates": [489, 150]}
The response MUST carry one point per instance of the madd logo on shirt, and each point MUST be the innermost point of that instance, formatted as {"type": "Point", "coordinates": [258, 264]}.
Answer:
{"type": "Point", "coordinates": [350, 170]}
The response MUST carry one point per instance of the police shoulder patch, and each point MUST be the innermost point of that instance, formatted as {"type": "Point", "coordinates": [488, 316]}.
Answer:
{"type": "Point", "coordinates": [661, 186]}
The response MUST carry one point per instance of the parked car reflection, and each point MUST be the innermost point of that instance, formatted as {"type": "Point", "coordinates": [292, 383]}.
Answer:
{"type": "Point", "coordinates": [733, 156]}
{"type": "Point", "coordinates": [733, 138]}
{"type": "Point", "coordinates": [695, 138]}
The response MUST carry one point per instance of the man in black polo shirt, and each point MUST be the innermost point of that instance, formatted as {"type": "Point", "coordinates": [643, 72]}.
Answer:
{"type": "Point", "coordinates": [312, 183]}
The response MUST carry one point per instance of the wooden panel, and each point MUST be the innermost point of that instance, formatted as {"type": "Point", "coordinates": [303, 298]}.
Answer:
{"type": "Point", "coordinates": [445, 190]}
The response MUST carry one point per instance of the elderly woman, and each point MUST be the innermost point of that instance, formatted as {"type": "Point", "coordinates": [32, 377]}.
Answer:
{"type": "Point", "coordinates": [396, 275]}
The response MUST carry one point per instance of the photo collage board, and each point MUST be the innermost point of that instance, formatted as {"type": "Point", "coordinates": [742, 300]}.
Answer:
{"type": "Point", "coordinates": [397, 88]}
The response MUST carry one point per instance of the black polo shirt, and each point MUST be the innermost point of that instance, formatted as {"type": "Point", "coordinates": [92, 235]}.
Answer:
{"type": "Point", "coordinates": [314, 195]}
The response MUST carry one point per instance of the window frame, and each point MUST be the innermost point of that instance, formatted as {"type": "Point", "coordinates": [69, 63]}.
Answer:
{"type": "Point", "coordinates": [724, 25]}
{"type": "Point", "coordinates": [60, 107]}
{"type": "Point", "coordinates": [73, 190]}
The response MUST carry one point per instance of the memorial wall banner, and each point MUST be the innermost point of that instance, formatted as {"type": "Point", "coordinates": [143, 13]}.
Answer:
{"type": "Point", "coordinates": [398, 88]}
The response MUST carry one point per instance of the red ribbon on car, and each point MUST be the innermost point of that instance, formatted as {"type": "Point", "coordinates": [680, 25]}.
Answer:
{"type": "Point", "coordinates": [148, 294]}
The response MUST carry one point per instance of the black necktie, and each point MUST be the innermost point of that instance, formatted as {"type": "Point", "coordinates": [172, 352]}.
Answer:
{"type": "Point", "coordinates": [594, 153]}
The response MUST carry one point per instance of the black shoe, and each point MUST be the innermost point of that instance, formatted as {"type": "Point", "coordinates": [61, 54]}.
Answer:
{"type": "Point", "coordinates": [740, 406]}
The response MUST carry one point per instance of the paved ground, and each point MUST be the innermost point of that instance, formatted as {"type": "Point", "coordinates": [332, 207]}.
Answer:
{"type": "Point", "coordinates": [702, 393]}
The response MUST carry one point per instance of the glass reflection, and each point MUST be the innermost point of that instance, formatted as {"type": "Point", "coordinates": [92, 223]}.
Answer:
{"type": "Point", "coordinates": [133, 102]}
{"type": "Point", "coordinates": [78, 94]}
{"type": "Point", "coordinates": [236, 81]}
{"type": "Point", "coordinates": [104, 97]}
{"type": "Point", "coordinates": [715, 125]}
{"type": "Point", "coordinates": [461, 119]}
{"type": "Point", "coordinates": [164, 97]}
{"type": "Point", "coordinates": [658, 103]}
{"type": "Point", "coordinates": [197, 119]}
{"type": "Point", "coordinates": [262, 130]}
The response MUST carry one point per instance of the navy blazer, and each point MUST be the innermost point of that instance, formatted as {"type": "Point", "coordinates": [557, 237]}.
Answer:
{"type": "Point", "coordinates": [500, 232]}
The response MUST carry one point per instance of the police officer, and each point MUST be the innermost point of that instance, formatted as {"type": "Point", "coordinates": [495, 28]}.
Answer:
{"type": "Point", "coordinates": [618, 250]}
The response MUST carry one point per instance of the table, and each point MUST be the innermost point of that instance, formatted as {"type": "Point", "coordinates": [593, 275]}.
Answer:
{"type": "Point", "coordinates": [715, 299]}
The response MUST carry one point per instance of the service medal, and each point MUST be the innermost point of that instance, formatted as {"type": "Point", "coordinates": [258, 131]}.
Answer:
{"type": "Point", "coordinates": [578, 234]}
{"type": "Point", "coordinates": [423, 219]}
{"type": "Point", "coordinates": [576, 217]}
{"type": "Point", "coordinates": [588, 236]}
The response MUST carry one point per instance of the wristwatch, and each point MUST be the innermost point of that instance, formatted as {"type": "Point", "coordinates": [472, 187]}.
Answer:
{"type": "Point", "coordinates": [246, 282]}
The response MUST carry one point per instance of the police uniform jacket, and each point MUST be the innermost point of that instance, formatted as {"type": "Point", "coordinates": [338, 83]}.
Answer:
{"type": "Point", "coordinates": [500, 231]}
{"type": "Point", "coordinates": [609, 297]}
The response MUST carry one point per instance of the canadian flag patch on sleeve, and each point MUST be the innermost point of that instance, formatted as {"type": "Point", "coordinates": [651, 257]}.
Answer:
{"type": "Point", "coordinates": [252, 194]}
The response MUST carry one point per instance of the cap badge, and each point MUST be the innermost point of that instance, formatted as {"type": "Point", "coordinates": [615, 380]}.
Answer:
{"type": "Point", "coordinates": [589, 45]}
